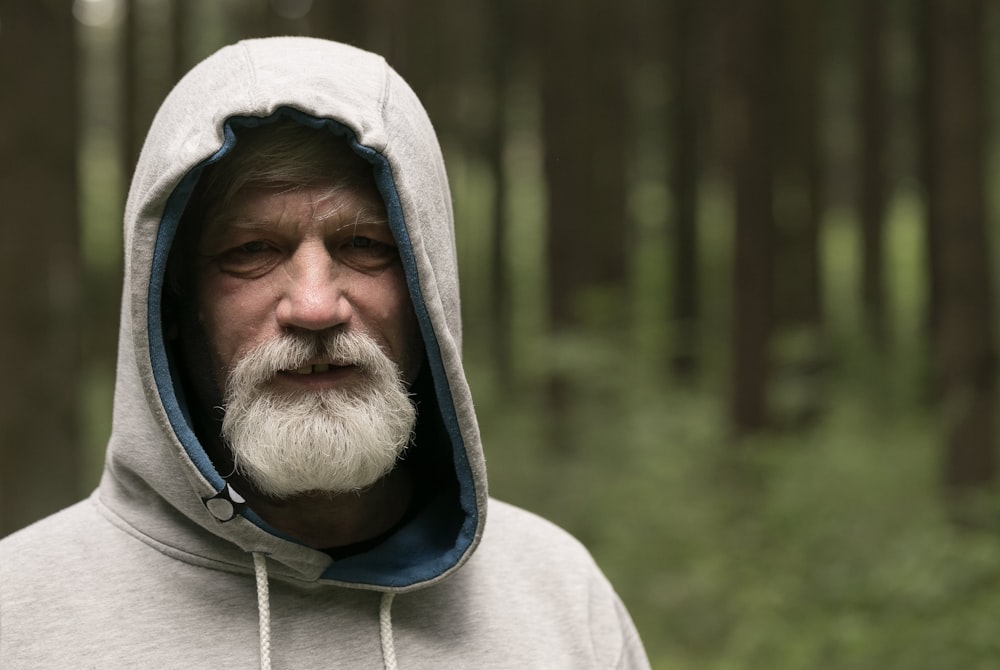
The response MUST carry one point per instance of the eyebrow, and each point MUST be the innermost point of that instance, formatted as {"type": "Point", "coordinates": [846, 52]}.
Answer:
{"type": "Point", "coordinates": [365, 222]}
{"type": "Point", "coordinates": [239, 222]}
{"type": "Point", "coordinates": [219, 225]}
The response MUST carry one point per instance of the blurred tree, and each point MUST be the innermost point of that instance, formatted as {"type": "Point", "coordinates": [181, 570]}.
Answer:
{"type": "Point", "coordinates": [922, 29]}
{"type": "Point", "coordinates": [686, 60]}
{"type": "Point", "coordinates": [342, 20]}
{"type": "Point", "coordinates": [957, 205]}
{"type": "Point", "coordinates": [393, 34]}
{"type": "Point", "coordinates": [180, 32]}
{"type": "Point", "coordinates": [131, 133]}
{"type": "Point", "coordinates": [288, 17]}
{"type": "Point", "coordinates": [39, 446]}
{"type": "Point", "coordinates": [748, 130]}
{"type": "Point", "coordinates": [873, 168]}
{"type": "Point", "coordinates": [586, 134]}
{"type": "Point", "coordinates": [586, 131]}
{"type": "Point", "coordinates": [152, 44]}
{"type": "Point", "coordinates": [503, 19]}
{"type": "Point", "coordinates": [798, 176]}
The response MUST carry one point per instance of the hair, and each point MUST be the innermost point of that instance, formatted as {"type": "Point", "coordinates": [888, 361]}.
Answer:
{"type": "Point", "coordinates": [338, 440]}
{"type": "Point", "coordinates": [282, 154]}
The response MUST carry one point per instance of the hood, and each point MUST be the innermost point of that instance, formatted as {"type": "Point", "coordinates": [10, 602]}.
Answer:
{"type": "Point", "coordinates": [158, 481]}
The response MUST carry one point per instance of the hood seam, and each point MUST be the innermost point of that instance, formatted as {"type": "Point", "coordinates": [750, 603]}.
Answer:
{"type": "Point", "coordinates": [251, 76]}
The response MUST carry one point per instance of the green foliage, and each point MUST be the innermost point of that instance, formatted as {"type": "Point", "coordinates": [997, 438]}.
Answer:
{"type": "Point", "coordinates": [826, 547]}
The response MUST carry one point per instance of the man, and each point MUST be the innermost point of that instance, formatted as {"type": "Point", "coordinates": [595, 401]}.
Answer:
{"type": "Point", "coordinates": [295, 475]}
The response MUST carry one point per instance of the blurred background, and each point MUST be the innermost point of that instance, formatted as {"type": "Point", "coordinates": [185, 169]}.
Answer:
{"type": "Point", "coordinates": [728, 286]}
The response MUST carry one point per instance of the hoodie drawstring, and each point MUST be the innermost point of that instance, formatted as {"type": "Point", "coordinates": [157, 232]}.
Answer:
{"type": "Point", "coordinates": [385, 632]}
{"type": "Point", "coordinates": [264, 612]}
{"type": "Point", "coordinates": [263, 609]}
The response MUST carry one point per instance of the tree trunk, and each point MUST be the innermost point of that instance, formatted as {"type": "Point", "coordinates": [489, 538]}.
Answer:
{"type": "Point", "coordinates": [872, 170]}
{"type": "Point", "coordinates": [687, 73]}
{"type": "Point", "coordinates": [748, 121]}
{"type": "Point", "coordinates": [39, 452]}
{"type": "Point", "coordinates": [500, 58]}
{"type": "Point", "coordinates": [957, 200]}
{"type": "Point", "coordinates": [585, 127]}
{"type": "Point", "coordinates": [928, 168]}
{"type": "Point", "coordinates": [798, 355]}
{"type": "Point", "coordinates": [180, 38]}
{"type": "Point", "coordinates": [131, 134]}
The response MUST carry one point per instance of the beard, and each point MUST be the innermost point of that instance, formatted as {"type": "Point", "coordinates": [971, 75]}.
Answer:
{"type": "Point", "coordinates": [337, 440]}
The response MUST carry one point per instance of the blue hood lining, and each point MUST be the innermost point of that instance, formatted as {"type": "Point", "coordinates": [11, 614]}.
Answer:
{"type": "Point", "coordinates": [435, 540]}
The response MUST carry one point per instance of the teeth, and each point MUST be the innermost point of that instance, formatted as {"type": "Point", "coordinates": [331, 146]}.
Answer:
{"type": "Point", "coordinates": [311, 369]}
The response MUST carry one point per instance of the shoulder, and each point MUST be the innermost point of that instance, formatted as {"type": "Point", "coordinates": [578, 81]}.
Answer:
{"type": "Point", "coordinates": [71, 522]}
{"type": "Point", "coordinates": [527, 549]}
{"type": "Point", "coordinates": [536, 581]}
{"type": "Point", "coordinates": [73, 543]}
{"type": "Point", "coordinates": [513, 526]}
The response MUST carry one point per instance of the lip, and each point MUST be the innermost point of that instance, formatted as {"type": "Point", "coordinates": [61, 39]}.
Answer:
{"type": "Point", "coordinates": [317, 376]}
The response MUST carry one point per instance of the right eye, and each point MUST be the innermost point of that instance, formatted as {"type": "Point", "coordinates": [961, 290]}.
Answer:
{"type": "Point", "coordinates": [255, 247]}
{"type": "Point", "coordinates": [249, 260]}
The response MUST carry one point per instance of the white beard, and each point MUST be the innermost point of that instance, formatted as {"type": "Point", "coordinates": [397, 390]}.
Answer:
{"type": "Point", "coordinates": [336, 440]}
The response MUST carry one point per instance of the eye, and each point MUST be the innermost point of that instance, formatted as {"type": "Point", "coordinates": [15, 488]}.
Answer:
{"type": "Point", "coordinates": [249, 259]}
{"type": "Point", "coordinates": [366, 254]}
{"type": "Point", "coordinates": [254, 247]}
{"type": "Point", "coordinates": [362, 242]}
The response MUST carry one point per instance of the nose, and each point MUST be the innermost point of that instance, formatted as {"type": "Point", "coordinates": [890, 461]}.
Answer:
{"type": "Point", "coordinates": [314, 295]}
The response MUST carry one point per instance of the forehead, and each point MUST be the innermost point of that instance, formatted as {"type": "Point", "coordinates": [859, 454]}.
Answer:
{"type": "Point", "coordinates": [283, 154]}
{"type": "Point", "coordinates": [269, 207]}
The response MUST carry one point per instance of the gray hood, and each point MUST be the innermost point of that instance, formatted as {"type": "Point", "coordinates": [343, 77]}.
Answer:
{"type": "Point", "coordinates": [158, 483]}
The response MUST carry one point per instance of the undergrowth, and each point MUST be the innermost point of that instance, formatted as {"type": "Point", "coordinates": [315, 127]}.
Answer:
{"type": "Point", "coordinates": [823, 547]}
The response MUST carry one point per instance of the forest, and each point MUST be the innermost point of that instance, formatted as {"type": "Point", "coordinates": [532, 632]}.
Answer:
{"type": "Point", "coordinates": [727, 275]}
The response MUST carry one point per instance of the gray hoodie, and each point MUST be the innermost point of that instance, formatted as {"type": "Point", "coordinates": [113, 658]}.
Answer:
{"type": "Point", "coordinates": [165, 567]}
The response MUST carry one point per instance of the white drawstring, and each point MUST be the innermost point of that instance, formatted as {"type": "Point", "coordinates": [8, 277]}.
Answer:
{"type": "Point", "coordinates": [385, 631]}
{"type": "Point", "coordinates": [264, 612]}
{"type": "Point", "coordinates": [263, 609]}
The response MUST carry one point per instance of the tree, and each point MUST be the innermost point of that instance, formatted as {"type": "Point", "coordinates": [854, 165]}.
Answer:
{"type": "Point", "coordinates": [795, 61]}
{"type": "Point", "coordinates": [872, 171]}
{"type": "Point", "coordinates": [747, 126]}
{"type": "Point", "coordinates": [686, 60]}
{"type": "Point", "coordinates": [956, 197]}
{"type": "Point", "coordinates": [586, 131]}
{"type": "Point", "coordinates": [39, 451]}
{"type": "Point", "coordinates": [500, 58]}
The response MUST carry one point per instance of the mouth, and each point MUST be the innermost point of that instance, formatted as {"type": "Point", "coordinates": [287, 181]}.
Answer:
{"type": "Point", "coordinates": [318, 375]}
{"type": "Point", "coordinates": [317, 368]}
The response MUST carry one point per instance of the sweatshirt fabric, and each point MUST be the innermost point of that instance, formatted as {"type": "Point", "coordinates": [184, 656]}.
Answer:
{"type": "Point", "coordinates": [165, 566]}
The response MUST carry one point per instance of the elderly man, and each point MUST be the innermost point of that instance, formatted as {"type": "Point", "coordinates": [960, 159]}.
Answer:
{"type": "Point", "coordinates": [295, 474]}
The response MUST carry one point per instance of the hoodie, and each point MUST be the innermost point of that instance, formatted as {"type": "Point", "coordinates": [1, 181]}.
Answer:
{"type": "Point", "coordinates": [166, 566]}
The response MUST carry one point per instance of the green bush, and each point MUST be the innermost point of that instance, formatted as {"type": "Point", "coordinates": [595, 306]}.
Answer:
{"type": "Point", "coordinates": [825, 547]}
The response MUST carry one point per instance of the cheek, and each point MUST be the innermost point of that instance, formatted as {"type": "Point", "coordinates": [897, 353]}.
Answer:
{"type": "Point", "coordinates": [414, 340]}
{"type": "Point", "coordinates": [405, 332]}
{"type": "Point", "coordinates": [232, 318]}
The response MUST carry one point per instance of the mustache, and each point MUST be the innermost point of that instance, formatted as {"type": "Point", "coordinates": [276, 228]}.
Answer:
{"type": "Point", "coordinates": [294, 350]}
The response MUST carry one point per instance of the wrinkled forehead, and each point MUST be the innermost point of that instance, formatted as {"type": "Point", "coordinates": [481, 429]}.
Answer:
{"type": "Point", "coordinates": [330, 204]}
{"type": "Point", "coordinates": [282, 157]}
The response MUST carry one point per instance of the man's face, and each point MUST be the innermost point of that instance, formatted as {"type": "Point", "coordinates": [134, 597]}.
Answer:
{"type": "Point", "coordinates": [308, 260]}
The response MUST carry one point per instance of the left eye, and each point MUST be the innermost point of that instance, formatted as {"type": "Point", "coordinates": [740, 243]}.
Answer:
{"type": "Point", "coordinates": [363, 242]}
{"type": "Point", "coordinates": [367, 254]}
{"type": "Point", "coordinates": [255, 247]}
